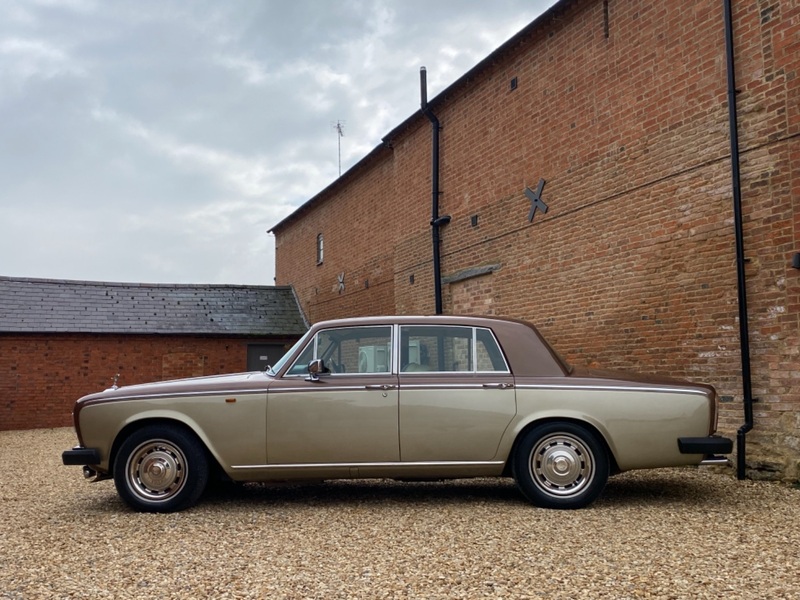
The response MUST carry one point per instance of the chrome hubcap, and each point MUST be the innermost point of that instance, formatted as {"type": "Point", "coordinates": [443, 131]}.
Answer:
{"type": "Point", "coordinates": [561, 465]}
{"type": "Point", "coordinates": [156, 470]}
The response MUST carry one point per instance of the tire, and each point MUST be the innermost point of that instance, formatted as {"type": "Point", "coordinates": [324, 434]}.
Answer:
{"type": "Point", "coordinates": [160, 468]}
{"type": "Point", "coordinates": [560, 465]}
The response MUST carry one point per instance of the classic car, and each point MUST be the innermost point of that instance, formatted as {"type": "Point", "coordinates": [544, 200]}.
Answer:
{"type": "Point", "coordinates": [432, 397]}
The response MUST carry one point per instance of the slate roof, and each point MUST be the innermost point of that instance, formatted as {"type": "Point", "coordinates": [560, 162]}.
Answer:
{"type": "Point", "coordinates": [50, 305]}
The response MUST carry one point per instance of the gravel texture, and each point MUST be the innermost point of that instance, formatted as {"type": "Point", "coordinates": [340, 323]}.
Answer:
{"type": "Point", "coordinates": [669, 533]}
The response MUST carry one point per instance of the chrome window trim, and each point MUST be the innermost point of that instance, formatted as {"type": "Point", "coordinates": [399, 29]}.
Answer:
{"type": "Point", "coordinates": [499, 347]}
{"type": "Point", "coordinates": [391, 326]}
{"type": "Point", "coordinates": [474, 370]}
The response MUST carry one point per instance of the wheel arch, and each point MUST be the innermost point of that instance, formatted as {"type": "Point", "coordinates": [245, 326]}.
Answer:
{"type": "Point", "coordinates": [147, 421]}
{"type": "Point", "coordinates": [591, 427]}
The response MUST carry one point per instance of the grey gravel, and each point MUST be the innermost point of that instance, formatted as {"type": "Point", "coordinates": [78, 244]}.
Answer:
{"type": "Point", "coordinates": [668, 533]}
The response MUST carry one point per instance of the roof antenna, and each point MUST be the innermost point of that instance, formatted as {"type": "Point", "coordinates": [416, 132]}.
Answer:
{"type": "Point", "coordinates": [339, 127]}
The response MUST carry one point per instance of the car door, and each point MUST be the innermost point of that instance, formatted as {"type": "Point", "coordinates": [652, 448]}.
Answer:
{"type": "Point", "coordinates": [457, 394]}
{"type": "Point", "coordinates": [347, 415]}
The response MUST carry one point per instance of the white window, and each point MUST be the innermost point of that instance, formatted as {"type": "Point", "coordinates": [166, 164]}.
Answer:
{"type": "Point", "coordinates": [320, 249]}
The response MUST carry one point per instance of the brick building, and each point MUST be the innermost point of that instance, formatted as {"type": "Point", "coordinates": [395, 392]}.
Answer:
{"type": "Point", "coordinates": [621, 107]}
{"type": "Point", "coordinates": [60, 340]}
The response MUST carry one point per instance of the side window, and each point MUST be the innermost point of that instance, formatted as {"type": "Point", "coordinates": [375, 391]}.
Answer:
{"type": "Point", "coordinates": [300, 366]}
{"type": "Point", "coordinates": [349, 350]}
{"type": "Point", "coordinates": [436, 348]}
{"type": "Point", "coordinates": [488, 353]}
{"type": "Point", "coordinates": [443, 348]}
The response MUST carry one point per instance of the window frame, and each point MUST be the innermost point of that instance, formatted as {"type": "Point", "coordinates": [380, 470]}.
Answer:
{"type": "Point", "coordinates": [473, 349]}
{"type": "Point", "coordinates": [314, 343]}
{"type": "Point", "coordinates": [320, 248]}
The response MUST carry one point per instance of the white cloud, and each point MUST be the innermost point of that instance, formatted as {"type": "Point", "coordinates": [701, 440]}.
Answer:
{"type": "Point", "coordinates": [22, 59]}
{"type": "Point", "coordinates": [249, 176]}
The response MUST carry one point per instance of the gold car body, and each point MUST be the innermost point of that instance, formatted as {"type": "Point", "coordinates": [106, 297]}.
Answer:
{"type": "Point", "coordinates": [394, 418]}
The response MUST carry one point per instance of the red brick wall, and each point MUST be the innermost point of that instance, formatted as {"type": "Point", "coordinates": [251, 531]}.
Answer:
{"type": "Point", "coordinates": [633, 266]}
{"type": "Point", "coordinates": [41, 376]}
{"type": "Point", "coordinates": [358, 233]}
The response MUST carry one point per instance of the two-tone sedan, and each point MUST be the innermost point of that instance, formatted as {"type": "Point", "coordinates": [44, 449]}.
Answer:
{"type": "Point", "coordinates": [397, 397]}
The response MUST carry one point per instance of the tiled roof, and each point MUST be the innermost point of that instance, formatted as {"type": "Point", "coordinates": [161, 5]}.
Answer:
{"type": "Point", "coordinates": [50, 305]}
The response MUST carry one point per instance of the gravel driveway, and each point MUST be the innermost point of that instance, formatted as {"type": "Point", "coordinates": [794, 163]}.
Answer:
{"type": "Point", "coordinates": [671, 533]}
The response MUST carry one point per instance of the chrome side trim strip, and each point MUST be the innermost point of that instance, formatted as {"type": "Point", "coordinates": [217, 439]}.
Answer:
{"type": "Point", "coordinates": [452, 373]}
{"type": "Point", "coordinates": [176, 395]}
{"type": "Point", "coordinates": [610, 388]}
{"type": "Point", "coordinates": [395, 386]}
{"type": "Point", "coordinates": [445, 386]}
{"type": "Point", "coordinates": [327, 388]}
{"type": "Point", "coordinates": [454, 463]}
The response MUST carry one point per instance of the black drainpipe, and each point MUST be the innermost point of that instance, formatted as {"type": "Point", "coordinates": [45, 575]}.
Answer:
{"type": "Point", "coordinates": [436, 221]}
{"type": "Point", "coordinates": [744, 336]}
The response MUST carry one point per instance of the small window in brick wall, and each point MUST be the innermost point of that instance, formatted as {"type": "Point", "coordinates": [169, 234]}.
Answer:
{"type": "Point", "coordinates": [320, 249]}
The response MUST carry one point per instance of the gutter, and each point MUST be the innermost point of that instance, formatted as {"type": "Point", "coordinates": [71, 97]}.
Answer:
{"type": "Point", "coordinates": [436, 221]}
{"type": "Point", "coordinates": [741, 281]}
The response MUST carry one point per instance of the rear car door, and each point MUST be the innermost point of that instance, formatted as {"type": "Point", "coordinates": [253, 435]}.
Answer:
{"type": "Point", "coordinates": [457, 393]}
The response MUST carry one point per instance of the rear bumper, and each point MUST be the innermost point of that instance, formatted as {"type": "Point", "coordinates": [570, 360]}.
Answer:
{"type": "Point", "coordinates": [712, 444]}
{"type": "Point", "coordinates": [79, 456]}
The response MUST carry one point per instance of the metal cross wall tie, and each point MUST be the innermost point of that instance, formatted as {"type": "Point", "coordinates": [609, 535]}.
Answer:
{"type": "Point", "coordinates": [536, 200]}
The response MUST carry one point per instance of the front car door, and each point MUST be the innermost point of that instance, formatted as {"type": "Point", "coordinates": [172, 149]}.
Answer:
{"type": "Point", "coordinates": [457, 393]}
{"type": "Point", "coordinates": [345, 416]}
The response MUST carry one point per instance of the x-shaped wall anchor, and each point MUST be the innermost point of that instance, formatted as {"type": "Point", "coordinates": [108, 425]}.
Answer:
{"type": "Point", "coordinates": [536, 200]}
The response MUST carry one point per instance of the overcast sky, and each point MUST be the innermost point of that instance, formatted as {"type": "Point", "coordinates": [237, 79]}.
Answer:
{"type": "Point", "coordinates": [158, 141]}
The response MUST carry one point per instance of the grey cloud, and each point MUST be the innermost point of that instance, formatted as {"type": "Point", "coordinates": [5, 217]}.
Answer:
{"type": "Point", "coordinates": [158, 141]}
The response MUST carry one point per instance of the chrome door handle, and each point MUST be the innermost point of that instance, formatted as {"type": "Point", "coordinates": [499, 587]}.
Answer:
{"type": "Point", "coordinates": [498, 386]}
{"type": "Point", "coordinates": [383, 386]}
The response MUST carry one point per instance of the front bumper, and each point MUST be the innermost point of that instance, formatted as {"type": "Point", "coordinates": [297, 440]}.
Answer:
{"type": "Point", "coordinates": [79, 456]}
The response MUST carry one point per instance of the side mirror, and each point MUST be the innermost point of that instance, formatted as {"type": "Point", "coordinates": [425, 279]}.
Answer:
{"type": "Point", "coordinates": [315, 367]}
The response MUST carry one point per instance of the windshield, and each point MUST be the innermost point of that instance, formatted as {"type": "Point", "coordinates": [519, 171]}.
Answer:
{"type": "Point", "coordinates": [273, 370]}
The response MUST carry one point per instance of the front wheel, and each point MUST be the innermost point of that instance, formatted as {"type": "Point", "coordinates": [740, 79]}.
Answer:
{"type": "Point", "coordinates": [560, 465]}
{"type": "Point", "coordinates": [160, 468]}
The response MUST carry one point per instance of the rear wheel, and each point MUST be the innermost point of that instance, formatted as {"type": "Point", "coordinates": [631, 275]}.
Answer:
{"type": "Point", "coordinates": [160, 468]}
{"type": "Point", "coordinates": [560, 465]}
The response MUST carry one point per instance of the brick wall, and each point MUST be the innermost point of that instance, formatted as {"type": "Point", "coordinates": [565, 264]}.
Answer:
{"type": "Point", "coordinates": [633, 266]}
{"type": "Point", "coordinates": [41, 376]}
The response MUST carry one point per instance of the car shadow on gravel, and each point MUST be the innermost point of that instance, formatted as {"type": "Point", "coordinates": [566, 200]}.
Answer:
{"type": "Point", "coordinates": [363, 492]}
{"type": "Point", "coordinates": [654, 488]}
{"type": "Point", "coordinates": [661, 488]}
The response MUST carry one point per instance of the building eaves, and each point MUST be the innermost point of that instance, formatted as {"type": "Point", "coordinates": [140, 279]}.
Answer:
{"type": "Point", "coordinates": [542, 21]}
{"type": "Point", "coordinates": [376, 152]}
